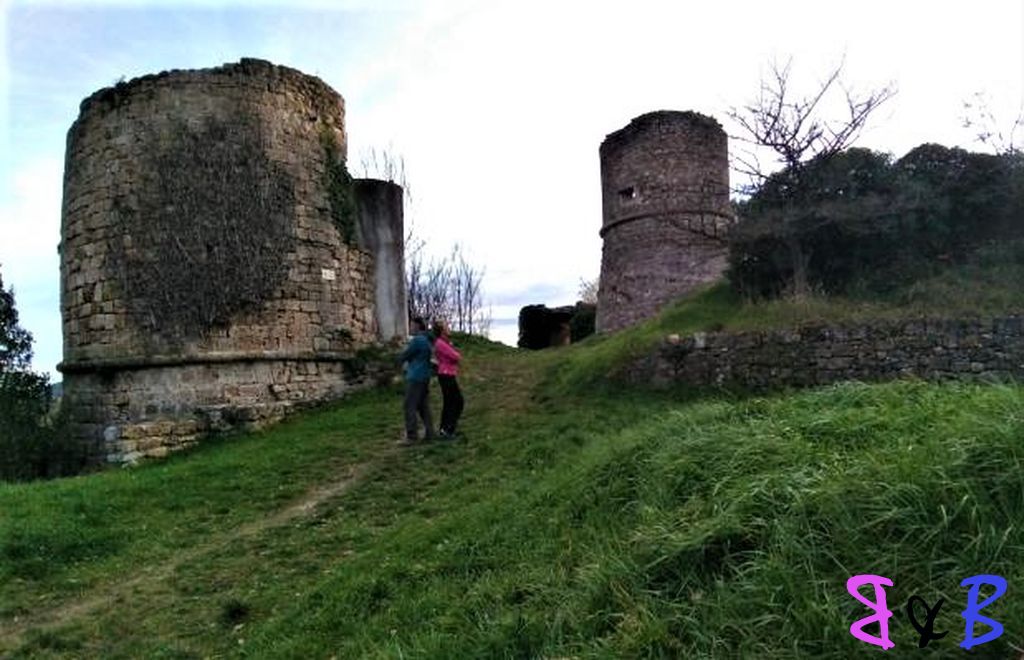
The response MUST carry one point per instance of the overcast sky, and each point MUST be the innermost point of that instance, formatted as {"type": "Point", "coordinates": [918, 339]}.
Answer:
{"type": "Point", "coordinates": [497, 107]}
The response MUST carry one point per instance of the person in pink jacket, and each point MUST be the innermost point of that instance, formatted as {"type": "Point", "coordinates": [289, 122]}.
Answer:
{"type": "Point", "coordinates": [448, 358]}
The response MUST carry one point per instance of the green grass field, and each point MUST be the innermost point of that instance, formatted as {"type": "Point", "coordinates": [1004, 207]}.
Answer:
{"type": "Point", "coordinates": [577, 519]}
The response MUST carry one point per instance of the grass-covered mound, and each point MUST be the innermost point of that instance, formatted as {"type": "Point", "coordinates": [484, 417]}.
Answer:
{"type": "Point", "coordinates": [715, 529]}
{"type": "Point", "coordinates": [571, 522]}
{"type": "Point", "coordinates": [987, 285]}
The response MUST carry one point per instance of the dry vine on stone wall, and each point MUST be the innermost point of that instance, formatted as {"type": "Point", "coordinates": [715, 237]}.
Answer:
{"type": "Point", "coordinates": [207, 231]}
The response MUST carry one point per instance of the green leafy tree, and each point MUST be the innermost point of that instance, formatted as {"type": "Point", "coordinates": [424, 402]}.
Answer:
{"type": "Point", "coordinates": [32, 443]}
{"type": "Point", "coordinates": [15, 341]}
{"type": "Point", "coordinates": [961, 199]}
{"type": "Point", "coordinates": [834, 215]}
{"type": "Point", "coordinates": [863, 222]}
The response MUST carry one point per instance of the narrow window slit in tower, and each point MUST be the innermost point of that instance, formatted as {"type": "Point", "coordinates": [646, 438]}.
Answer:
{"type": "Point", "coordinates": [628, 193]}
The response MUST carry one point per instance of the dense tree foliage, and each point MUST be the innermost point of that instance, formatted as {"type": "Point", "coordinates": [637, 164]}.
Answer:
{"type": "Point", "coordinates": [15, 341]}
{"type": "Point", "coordinates": [33, 442]}
{"type": "Point", "coordinates": [858, 219]}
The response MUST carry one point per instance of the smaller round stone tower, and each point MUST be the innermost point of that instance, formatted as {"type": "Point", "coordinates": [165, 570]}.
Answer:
{"type": "Point", "coordinates": [665, 189]}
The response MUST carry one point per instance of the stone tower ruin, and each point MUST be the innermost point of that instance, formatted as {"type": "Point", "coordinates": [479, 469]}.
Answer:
{"type": "Point", "coordinates": [218, 266]}
{"type": "Point", "coordinates": [665, 192]}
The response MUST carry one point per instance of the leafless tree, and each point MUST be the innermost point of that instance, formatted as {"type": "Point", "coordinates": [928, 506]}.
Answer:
{"type": "Point", "coordinates": [587, 291]}
{"type": "Point", "coordinates": [449, 288]}
{"type": "Point", "coordinates": [791, 126]}
{"type": "Point", "coordinates": [467, 312]}
{"type": "Point", "coordinates": [979, 117]}
{"type": "Point", "coordinates": [427, 286]}
{"type": "Point", "coordinates": [795, 130]}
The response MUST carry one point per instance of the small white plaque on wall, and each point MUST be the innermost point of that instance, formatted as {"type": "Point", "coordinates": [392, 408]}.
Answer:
{"type": "Point", "coordinates": [327, 274]}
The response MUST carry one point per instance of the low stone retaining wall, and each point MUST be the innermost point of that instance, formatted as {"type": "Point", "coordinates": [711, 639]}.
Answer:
{"type": "Point", "coordinates": [933, 349]}
{"type": "Point", "coordinates": [126, 412]}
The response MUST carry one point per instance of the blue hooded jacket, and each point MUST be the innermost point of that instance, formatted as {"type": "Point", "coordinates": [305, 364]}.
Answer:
{"type": "Point", "coordinates": [417, 358]}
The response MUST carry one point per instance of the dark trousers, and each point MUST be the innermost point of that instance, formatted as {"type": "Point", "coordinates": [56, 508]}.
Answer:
{"type": "Point", "coordinates": [451, 410]}
{"type": "Point", "coordinates": [417, 402]}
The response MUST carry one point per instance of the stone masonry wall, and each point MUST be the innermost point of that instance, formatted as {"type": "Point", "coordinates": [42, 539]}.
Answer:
{"type": "Point", "coordinates": [650, 262]}
{"type": "Point", "coordinates": [816, 355]}
{"type": "Point", "coordinates": [136, 413]}
{"type": "Point", "coordinates": [665, 195]}
{"type": "Point", "coordinates": [202, 262]}
{"type": "Point", "coordinates": [324, 286]}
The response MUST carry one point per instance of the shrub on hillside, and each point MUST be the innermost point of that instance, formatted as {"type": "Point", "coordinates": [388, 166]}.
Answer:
{"type": "Point", "coordinates": [34, 438]}
{"type": "Point", "coordinates": [958, 200]}
{"type": "Point", "coordinates": [583, 321]}
{"type": "Point", "coordinates": [820, 223]}
{"type": "Point", "coordinates": [859, 220]}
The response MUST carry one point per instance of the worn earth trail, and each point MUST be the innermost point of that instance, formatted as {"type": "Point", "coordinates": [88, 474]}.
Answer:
{"type": "Point", "coordinates": [177, 600]}
{"type": "Point", "coordinates": [11, 634]}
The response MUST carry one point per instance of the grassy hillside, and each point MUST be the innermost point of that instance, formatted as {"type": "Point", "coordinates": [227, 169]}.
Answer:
{"type": "Point", "coordinates": [988, 285]}
{"type": "Point", "coordinates": [573, 521]}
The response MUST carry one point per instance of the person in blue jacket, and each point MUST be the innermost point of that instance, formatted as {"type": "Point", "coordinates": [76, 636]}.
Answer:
{"type": "Point", "coordinates": [418, 371]}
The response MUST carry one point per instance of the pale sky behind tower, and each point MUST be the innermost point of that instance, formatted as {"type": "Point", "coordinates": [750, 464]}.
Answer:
{"type": "Point", "coordinates": [498, 108]}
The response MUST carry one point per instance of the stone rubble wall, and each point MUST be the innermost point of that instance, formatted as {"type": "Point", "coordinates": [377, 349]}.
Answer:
{"type": "Point", "coordinates": [150, 412]}
{"type": "Point", "coordinates": [936, 349]}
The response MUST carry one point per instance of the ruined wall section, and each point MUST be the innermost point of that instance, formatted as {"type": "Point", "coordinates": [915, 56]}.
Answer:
{"type": "Point", "coordinates": [201, 244]}
{"type": "Point", "coordinates": [934, 349]}
{"type": "Point", "coordinates": [665, 195]}
{"type": "Point", "coordinates": [381, 230]}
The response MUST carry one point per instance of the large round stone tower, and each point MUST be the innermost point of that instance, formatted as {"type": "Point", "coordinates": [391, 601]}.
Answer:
{"type": "Point", "coordinates": [215, 267]}
{"type": "Point", "coordinates": [665, 189]}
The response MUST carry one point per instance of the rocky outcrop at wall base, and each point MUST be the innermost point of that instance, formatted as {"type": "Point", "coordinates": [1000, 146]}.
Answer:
{"type": "Point", "coordinates": [936, 349]}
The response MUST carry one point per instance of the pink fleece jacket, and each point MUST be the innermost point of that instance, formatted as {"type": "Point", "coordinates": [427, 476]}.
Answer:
{"type": "Point", "coordinates": [447, 357]}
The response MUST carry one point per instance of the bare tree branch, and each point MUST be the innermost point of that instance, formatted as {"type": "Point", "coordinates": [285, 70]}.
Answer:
{"type": "Point", "coordinates": [795, 132]}
{"type": "Point", "coordinates": [384, 164]}
{"type": "Point", "coordinates": [587, 290]}
{"type": "Point", "coordinates": [449, 288]}
{"type": "Point", "coordinates": [979, 117]}
{"type": "Point", "coordinates": [792, 129]}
